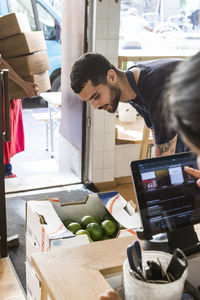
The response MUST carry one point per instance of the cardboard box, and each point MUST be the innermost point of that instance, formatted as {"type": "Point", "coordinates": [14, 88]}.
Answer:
{"type": "Point", "coordinates": [22, 44]}
{"type": "Point", "coordinates": [30, 64]}
{"type": "Point", "coordinates": [33, 285]}
{"type": "Point", "coordinates": [41, 79]}
{"type": "Point", "coordinates": [12, 24]}
{"type": "Point", "coordinates": [31, 248]}
{"type": "Point", "coordinates": [44, 218]}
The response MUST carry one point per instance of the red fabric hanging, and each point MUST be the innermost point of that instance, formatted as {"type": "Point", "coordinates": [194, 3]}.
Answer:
{"type": "Point", "coordinates": [16, 143]}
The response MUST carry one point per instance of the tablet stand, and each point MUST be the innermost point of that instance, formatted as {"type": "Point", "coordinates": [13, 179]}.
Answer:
{"type": "Point", "coordinates": [184, 238]}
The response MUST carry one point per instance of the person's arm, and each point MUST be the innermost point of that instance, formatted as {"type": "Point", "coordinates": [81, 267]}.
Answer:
{"type": "Point", "coordinates": [31, 89]}
{"type": "Point", "coordinates": [148, 27]}
{"type": "Point", "coordinates": [109, 295]}
{"type": "Point", "coordinates": [168, 148]}
{"type": "Point", "coordinates": [193, 172]}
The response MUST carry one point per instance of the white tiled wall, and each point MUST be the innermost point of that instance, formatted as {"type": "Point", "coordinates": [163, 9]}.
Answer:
{"type": "Point", "coordinates": [102, 146]}
{"type": "Point", "coordinates": [124, 154]}
{"type": "Point", "coordinates": [107, 161]}
{"type": "Point", "coordinates": [106, 27]}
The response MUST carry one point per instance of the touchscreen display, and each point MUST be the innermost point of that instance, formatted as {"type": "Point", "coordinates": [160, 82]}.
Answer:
{"type": "Point", "coordinates": [168, 197]}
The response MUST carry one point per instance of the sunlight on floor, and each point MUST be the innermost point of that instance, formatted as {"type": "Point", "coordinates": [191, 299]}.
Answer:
{"type": "Point", "coordinates": [34, 167]}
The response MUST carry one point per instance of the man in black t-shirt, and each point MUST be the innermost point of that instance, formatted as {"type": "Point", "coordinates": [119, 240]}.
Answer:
{"type": "Point", "coordinates": [97, 81]}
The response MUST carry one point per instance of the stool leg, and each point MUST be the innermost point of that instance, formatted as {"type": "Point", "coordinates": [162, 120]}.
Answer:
{"type": "Point", "coordinates": [145, 140]}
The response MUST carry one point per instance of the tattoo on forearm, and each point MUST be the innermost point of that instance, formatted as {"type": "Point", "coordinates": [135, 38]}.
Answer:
{"type": "Point", "coordinates": [167, 148]}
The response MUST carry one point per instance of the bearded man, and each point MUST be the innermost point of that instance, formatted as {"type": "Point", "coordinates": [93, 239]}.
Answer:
{"type": "Point", "coordinates": [100, 83]}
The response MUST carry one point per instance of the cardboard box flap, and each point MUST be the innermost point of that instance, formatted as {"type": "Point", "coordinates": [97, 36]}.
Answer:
{"type": "Point", "coordinates": [70, 243]}
{"type": "Point", "coordinates": [75, 210]}
{"type": "Point", "coordinates": [61, 235]}
{"type": "Point", "coordinates": [121, 210]}
{"type": "Point", "coordinates": [74, 196]}
{"type": "Point", "coordinates": [48, 219]}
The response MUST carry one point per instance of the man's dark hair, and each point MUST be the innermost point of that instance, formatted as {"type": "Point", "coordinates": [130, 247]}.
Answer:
{"type": "Point", "coordinates": [182, 102]}
{"type": "Point", "coordinates": [90, 66]}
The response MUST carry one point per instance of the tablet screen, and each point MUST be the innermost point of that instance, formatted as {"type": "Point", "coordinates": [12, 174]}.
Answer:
{"type": "Point", "coordinates": [167, 196]}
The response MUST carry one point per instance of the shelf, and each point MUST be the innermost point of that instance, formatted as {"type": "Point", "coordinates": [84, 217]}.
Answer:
{"type": "Point", "coordinates": [131, 133]}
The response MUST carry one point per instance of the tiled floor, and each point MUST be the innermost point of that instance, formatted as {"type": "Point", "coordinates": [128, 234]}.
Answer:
{"type": "Point", "coordinates": [34, 167]}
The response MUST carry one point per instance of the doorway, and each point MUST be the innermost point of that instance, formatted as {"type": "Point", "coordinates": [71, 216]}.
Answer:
{"type": "Point", "coordinates": [35, 167]}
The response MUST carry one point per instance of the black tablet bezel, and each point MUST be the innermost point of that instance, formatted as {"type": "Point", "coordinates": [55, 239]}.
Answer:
{"type": "Point", "coordinates": [184, 159]}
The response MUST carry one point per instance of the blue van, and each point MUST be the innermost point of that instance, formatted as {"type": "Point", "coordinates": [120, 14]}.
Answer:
{"type": "Point", "coordinates": [42, 16]}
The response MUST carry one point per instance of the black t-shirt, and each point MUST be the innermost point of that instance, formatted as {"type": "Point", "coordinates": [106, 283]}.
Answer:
{"type": "Point", "coordinates": [152, 79]}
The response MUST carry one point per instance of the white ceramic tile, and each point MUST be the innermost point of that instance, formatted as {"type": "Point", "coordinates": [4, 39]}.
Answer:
{"type": "Point", "coordinates": [124, 154]}
{"type": "Point", "coordinates": [112, 48]}
{"type": "Point", "coordinates": [101, 47]}
{"type": "Point", "coordinates": [98, 160]}
{"type": "Point", "coordinates": [113, 29]}
{"type": "Point", "coordinates": [109, 141]}
{"type": "Point", "coordinates": [98, 121]}
{"type": "Point", "coordinates": [97, 113]}
{"type": "Point", "coordinates": [114, 61]}
{"type": "Point", "coordinates": [98, 176]}
{"type": "Point", "coordinates": [109, 123]}
{"type": "Point", "coordinates": [108, 174]}
{"type": "Point", "coordinates": [102, 8]}
{"type": "Point", "coordinates": [114, 9]}
{"type": "Point", "coordinates": [98, 142]}
{"type": "Point", "coordinates": [102, 29]}
{"type": "Point", "coordinates": [108, 159]}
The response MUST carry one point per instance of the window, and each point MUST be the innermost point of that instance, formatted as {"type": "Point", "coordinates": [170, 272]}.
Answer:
{"type": "Point", "coordinates": [159, 25]}
{"type": "Point", "coordinates": [23, 7]}
{"type": "Point", "coordinates": [47, 23]}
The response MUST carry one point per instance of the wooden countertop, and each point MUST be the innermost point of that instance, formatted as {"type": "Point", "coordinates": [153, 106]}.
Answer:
{"type": "Point", "coordinates": [77, 273]}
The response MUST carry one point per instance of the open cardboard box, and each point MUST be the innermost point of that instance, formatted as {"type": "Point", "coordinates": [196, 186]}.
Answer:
{"type": "Point", "coordinates": [44, 218]}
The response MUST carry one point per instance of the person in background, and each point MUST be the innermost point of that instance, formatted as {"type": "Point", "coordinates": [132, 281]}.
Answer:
{"type": "Point", "coordinates": [16, 143]}
{"type": "Point", "coordinates": [101, 84]}
{"type": "Point", "coordinates": [182, 110]}
{"type": "Point", "coordinates": [134, 29]}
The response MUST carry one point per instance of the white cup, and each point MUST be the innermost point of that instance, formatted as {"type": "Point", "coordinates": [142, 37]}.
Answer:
{"type": "Point", "coordinates": [135, 289]}
{"type": "Point", "coordinates": [127, 113]}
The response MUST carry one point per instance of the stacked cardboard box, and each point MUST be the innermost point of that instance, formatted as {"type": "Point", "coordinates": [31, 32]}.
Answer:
{"type": "Point", "coordinates": [25, 52]}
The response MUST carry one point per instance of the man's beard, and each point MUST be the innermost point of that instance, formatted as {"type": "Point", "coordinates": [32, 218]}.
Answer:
{"type": "Point", "coordinates": [115, 94]}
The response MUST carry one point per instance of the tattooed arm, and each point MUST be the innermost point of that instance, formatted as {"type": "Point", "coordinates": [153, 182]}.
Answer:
{"type": "Point", "coordinates": [166, 148]}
